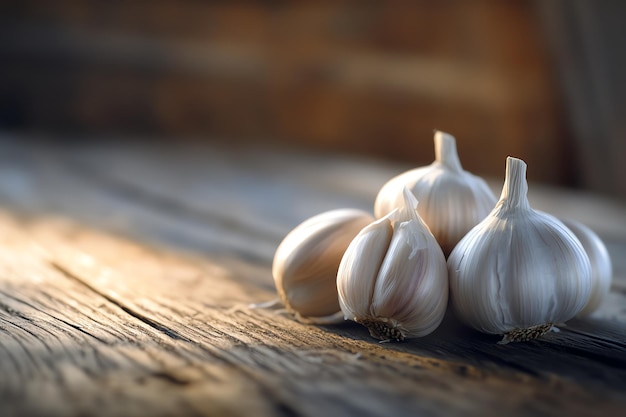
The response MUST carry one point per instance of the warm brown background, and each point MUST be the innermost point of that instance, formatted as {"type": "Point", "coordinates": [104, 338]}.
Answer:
{"type": "Point", "coordinates": [539, 80]}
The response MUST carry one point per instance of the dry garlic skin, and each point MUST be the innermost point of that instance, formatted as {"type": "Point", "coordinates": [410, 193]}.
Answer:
{"type": "Point", "coordinates": [306, 261]}
{"type": "Point", "coordinates": [601, 265]}
{"type": "Point", "coordinates": [452, 200]}
{"type": "Point", "coordinates": [393, 277]}
{"type": "Point", "coordinates": [519, 271]}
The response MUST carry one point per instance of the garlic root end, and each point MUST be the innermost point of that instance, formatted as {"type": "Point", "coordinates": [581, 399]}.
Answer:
{"type": "Point", "coordinates": [529, 333]}
{"type": "Point", "coordinates": [384, 329]}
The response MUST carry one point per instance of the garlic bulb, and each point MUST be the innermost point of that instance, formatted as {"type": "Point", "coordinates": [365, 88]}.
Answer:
{"type": "Point", "coordinates": [452, 200]}
{"type": "Point", "coordinates": [519, 271]}
{"type": "Point", "coordinates": [393, 277]}
{"type": "Point", "coordinates": [601, 267]}
{"type": "Point", "coordinates": [306, 261]}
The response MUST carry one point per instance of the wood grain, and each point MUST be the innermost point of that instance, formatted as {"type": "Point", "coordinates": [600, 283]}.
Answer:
{"type": "Point", "coordinates": [127, 270]}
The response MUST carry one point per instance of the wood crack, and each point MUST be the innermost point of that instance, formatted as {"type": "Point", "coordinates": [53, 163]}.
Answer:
{"type": "Point", "coordinates": [12, 311]}
{"type": "Point", "coordinates": [24, 317]}
{"type": "Point", "coordinates": [135, 314]}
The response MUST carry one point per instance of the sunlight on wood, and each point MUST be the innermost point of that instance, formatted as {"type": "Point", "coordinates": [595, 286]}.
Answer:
{"type": "Point", "coordinates": [118, 288]}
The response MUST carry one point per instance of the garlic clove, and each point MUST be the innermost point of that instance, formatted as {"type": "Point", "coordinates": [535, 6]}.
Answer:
{"type": "Point", "coordinates": [393, 277]}
{"type": "Point", "coordinates": [363, 260]}
{"type": "Point", "coordinates": [601, 266]}
{"type": "Point", "coordinates": [452, 200]}
{"type": "Point", "coordinates": [404, 290]}
{"type": "Point", "coordinates": [306, 262]}
{"type": "Point", "coordinates": [519, 271]}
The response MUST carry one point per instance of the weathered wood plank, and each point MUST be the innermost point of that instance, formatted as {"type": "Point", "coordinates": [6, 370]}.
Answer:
{"type": "Point", "coordinates": [126, 274]}
{"type": "Point", "coordinates": [308, 366]}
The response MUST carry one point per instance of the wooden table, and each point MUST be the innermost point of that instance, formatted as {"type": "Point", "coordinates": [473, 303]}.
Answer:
{"type": "Point", "coordinates": [127, 270]}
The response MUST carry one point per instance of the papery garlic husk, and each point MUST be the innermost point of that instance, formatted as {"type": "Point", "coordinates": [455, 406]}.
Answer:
{"type": "Point", "coordinates": [452, 200]}
{"type": "Point", "coordinates": [306, 262]}
{"type": "Point", "coordinates": [519, 271]}
{"type": "Point", "coordinates": [601, 266]}
{"type": "Point", "coordinates": [393, 277]}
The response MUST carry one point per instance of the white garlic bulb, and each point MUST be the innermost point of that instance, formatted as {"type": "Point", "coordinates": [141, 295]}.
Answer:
{"type": "Point", "coordinates": [306, 262]}
{"type": "Point", "coordinates": [601, 266]}
{"type": "Point", "coordinates": [452, 200]}
{"type": "Point", "coordinates": [519, 271]}
{"type": "Point", "coordinates": [393, 277]}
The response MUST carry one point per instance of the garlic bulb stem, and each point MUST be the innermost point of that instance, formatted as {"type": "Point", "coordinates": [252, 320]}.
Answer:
{"type": "Point", "coordinates": [515, 189]}
{"type": "Point", "coordinates": [445, 151]}
{"type": "Point", "coordinates": [452, 200]}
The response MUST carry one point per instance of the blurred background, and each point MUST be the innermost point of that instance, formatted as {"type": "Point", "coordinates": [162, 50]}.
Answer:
{"type": "Point", "coordinates": [540, 80]}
